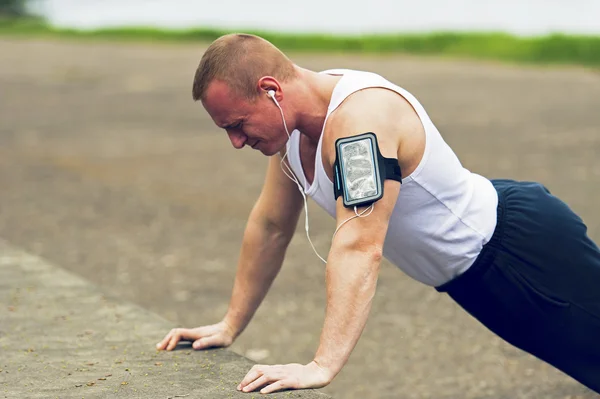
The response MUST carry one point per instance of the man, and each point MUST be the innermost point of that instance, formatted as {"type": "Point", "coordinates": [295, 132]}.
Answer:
{"type": "Point", "coordinates": [510, 253]}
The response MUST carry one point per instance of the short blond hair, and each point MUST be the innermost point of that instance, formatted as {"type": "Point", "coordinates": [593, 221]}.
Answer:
{"type": "Point", "coordinates": [240, 60]}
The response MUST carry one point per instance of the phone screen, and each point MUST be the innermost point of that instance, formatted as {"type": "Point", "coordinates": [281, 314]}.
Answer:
{"type": "Point", "coordinates": [359, 172]}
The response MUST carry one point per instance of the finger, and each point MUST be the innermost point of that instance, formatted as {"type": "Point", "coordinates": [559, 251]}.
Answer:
{"type": "Point", "coordinates": [184, 334]}
{"type": "Point", "coordinates": [259, 382]}
{"type": "Point", "coordinates": [163, 344]}
{"type": "Point", "coordinates": [190, 334]}
{"type": "Point", "coordinates": [276, 386]}
{"type": "Point", "coordinates": [207, 342]}
{"type": "Point", "coordinates": [175, 338]}
{"type": "Point", "coordinates": [173, 342]}
{"type": "Point", "coordinates": [253, 374]}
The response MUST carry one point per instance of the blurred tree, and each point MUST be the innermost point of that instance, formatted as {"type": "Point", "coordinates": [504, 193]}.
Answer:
{"type": "Point", "coordinates": [13, 8]}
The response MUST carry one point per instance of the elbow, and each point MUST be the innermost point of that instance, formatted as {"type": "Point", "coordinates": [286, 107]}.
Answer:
{"type": "Point", "coordinates": [372, 252]}
{"type": "Point", "coordinates": [367, 241]}
{"type": "Point", "coordinates": [265, 235]}
{"type": "Point", "coordinates": [355, 270]}
{"type": "Point", "coordinates": [365, 256]}
{"type": "Point", "coordinates": [359, 246]}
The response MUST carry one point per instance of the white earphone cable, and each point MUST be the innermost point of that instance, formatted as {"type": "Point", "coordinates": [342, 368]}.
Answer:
{"type": "Point", "coordinates": [292, 177]}
{"type": "Point", "coordinates": [357, 215]}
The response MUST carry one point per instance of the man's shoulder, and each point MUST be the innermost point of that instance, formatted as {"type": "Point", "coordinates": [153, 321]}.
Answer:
{"type": "Point", "coordinates": [375, 108]}
{"type": "Point", "coordinates": [384, 112]}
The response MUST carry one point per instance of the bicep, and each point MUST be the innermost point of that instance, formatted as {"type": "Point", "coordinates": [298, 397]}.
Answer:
{"type": "Point", "coordinates": [366, 232]}
{"type": "Point", "coordinates": [371, 111]}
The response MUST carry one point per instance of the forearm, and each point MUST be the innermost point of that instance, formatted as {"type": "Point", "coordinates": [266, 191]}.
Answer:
{"type": "Point", "coordinates": [351, 284]}
{"type": "Point", "coordinates": [261, 257]}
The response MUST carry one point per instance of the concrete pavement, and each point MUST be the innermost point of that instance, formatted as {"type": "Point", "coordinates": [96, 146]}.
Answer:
{"type": "Point", "coordinates": [61, 337]}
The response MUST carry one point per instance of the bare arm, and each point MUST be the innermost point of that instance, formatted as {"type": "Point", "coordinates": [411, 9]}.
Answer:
{"type": "Point", "coordinates": [351, 275]}
{"type": "Point", "coordinates": [357, 249]}
{"type": "Point", "coordinates": [270, 228]}
{"type": "Point", "coordinates": [356, 252]}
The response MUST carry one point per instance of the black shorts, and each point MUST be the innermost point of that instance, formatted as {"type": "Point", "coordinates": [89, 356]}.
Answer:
{"type": "Point", "coordinates": [536, 284]}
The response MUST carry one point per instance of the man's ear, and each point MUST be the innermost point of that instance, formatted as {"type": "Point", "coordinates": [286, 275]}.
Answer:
{"type": "Point", "coordinates": [268, 83]}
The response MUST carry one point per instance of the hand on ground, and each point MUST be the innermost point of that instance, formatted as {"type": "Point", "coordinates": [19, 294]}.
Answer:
{"type": "Point", "coordinates": [289, 376]}
{"type": "Point", "coordinates": [213, 336]}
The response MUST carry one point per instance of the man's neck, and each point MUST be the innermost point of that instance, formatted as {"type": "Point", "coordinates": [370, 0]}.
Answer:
{"type": "Point", "coordinates": [314, 93]}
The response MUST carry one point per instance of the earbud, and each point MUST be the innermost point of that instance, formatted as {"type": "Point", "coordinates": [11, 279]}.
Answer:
{"type": "Point", "coordinates": [271, 93]}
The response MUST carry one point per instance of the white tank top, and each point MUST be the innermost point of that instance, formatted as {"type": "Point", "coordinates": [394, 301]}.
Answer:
{"type": "Point", "coordinates": [444, 214]}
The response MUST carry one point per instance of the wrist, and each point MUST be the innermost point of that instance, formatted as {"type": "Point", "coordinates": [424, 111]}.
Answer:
{"type": "Point", "coordinates": [232, 326]}
{"type": "Point", "coordinates": [327, 372]}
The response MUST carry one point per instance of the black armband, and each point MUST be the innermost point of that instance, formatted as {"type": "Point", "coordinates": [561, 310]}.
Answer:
{"type": "Point", "coordinates": [360, 170]}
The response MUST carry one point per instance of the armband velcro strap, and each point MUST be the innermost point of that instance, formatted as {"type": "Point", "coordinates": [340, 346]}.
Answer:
{"type": "Point", "coordinates": [392, 169]}
{"type": "Point", "coordinates": [337, 185]}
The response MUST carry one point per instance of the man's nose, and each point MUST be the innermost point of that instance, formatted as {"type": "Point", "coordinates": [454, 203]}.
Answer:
{"type": "Point", "coordinates": [238, 140]}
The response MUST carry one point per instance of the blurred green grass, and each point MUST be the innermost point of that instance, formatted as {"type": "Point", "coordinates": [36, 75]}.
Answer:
{"type": "Point", "coordinates": [551, 49]}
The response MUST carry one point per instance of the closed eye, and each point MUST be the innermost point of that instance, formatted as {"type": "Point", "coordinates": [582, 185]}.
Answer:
{"type": "Point", "coordinates": [234, 125]}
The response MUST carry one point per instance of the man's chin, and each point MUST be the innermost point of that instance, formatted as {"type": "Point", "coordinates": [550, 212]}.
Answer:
{"type": "Point", "coordinates": [271, 150]}
{"type": "Point", "coordinates": [268, 151]}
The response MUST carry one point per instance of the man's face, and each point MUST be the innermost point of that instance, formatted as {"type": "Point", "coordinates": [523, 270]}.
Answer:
{"type": "Point", "coordinates": [255, 123]}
